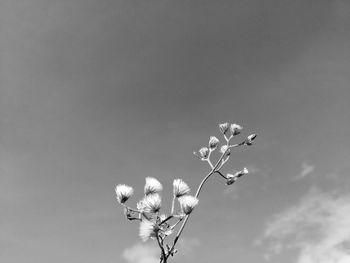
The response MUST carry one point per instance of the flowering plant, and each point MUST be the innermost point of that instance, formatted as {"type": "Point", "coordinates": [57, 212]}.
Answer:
{"type": "Point", "coordinates": [158, 226]}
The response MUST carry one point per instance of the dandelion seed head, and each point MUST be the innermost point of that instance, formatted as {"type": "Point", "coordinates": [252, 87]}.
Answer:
{"type": "Point", "coordinates": [152, 186]}
{"type": "Point", "coordinates": [123, 192]}
{"type": "Point", "coordinates": [180, 188]}
{"type": "Point", "coordinates": [151, 203]}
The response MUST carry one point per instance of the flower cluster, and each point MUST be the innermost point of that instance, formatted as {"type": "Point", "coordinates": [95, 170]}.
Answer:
{"type": "Point", "coordinates": [229, 131]}
{"type": "Point", "coordinates": [153, 224]}
{"type": "Point", "coordinates": [157, 225]}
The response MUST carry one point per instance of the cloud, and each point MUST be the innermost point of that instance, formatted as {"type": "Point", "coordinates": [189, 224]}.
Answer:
{"type": "Point", "coordinates": [142, 253]}
{"type": "Point", "coordinates": [318, 227]}
{"type": "Point", "coordinates": [306, 170]}
{"type": "Point", "coordinates": [149, 252]}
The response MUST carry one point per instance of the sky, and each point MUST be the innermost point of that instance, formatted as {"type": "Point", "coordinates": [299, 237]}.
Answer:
{"type": "Point", "coordinates": [97, 93]}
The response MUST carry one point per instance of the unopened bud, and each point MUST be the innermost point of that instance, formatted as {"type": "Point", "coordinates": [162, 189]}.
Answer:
{"type": "Point", "coordinates": [213, 142]}
{"type": "Point", "coordinates": [224, 127]}
{"type": "Point", "coordinates": [203, 152]}
{"type": "Point", "coordinates": [235, 129]}
{"type": "Point", "coordinates": [250, 139]}
{"type": "Point", "coordinates": [231, 178]}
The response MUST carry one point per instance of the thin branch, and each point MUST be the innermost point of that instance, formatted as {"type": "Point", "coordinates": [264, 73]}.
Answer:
{"type": "Point", "coordinates": [163, 257]}
{"type": "Point", "coordinates": [166, 219]}
{"type": "Point", "coordinates": [131, 209]}
{"type": "Point", "coordinates": [173, 205]}
{"type": "Point", "coordinates": [213, 170]}
{"type": "Point", "coordinates": [220, 173]}
{"type": "Point", "coordinates": [210, 164]}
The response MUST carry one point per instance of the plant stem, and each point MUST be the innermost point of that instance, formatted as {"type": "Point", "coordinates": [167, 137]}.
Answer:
{"type": "Point", "coordinates": [173, 205]}
{"type": "Point", "coordinates": [163, 258]}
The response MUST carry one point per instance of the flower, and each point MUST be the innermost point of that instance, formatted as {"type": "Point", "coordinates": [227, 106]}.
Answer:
{"type": "Point", "coordinates": [187, 203]}
{"type": "Point", "coordinates": [250, 139]}
{"type": "Point", "coordinates": [147, 229]}
{"type": "Point", "coordinates": [235, 129]}
{"type": "Point", "coordinates": [203, 152]}
{"type": "Point", "coordinates": [224, 127]}
{"type": "Point", "coordinates": [123, 192]}
{"type": "Point", "coordinates": [150, 203]}
{"type": "Point", "coordinates": [180, 188]}
{"type": "Point", "coordinates": [231, 178]}
{"type": "Point", "coordinates": [213, 142]}
{"type": "Point", "coordinates": [152, 186]}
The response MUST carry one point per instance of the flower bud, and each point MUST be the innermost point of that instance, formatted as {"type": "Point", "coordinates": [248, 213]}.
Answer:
{"type": "Point", "coordinates": [203, 152]}
{"type": "Point", "coordinates": [152, 186]}
{"type": "Point", "coordinates": [213, 142]}
{"type": "Point", "coordinates": [223, 149]}
{"type": "Point", "coordinates": [235, 129]}
{"type": "Point", "coordinates": [250, 139]}
{"type": "Point", "coordinates": [123, 192]}
{"type": "Point", "coordinates": [224, 127]}
{"type": "Point", "coordinates": [231, 178]}
{"type": "Point", "coordinates": [187, 203]}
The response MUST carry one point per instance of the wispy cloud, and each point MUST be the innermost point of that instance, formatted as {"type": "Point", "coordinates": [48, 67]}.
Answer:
{"type": "Point", "coordinates": [141, 253]}
{"type": "Point", "coordinates": [149, 252]}
{"type": "Point", "coordinates": [306, 169]}
{"type": "Point", "coordinates": [318, 227]}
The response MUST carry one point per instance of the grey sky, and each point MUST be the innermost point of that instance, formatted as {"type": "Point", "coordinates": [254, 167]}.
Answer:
{"type": "Point", "coordinates": [95, 93]}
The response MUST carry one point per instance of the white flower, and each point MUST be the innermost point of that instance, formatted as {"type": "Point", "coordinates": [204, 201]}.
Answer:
{"type": "Point", "coordinates": [150, 203]}
{"type": "Point", "coordinates": [180, 188]}
{"type": "Point", "coordinates": [235, 129]}
{"type": "Point", "coordinates": [203, 152]}
{"type": "Point", "coordinates": [213, 142]}
{"type": "Point", "coordinates": [152, 186]}
{"type": "Point", "coordinates": [187, 203]}
{"type": "Point", "coordinates": [224, 127]}
{"type": "Point", "coordinates": [123, 192]}
{"type": "Point", "coordinates": [147, 229]}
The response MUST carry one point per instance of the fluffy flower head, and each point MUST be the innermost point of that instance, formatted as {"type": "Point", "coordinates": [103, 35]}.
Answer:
{"type": "Point", "coordinates": [187, 203]}
{"type": "Point", "coordinates": [150, 203]}
{"type": "Point", "coordinates": [147, 229]}
{"type": "Point", "coordinates": [180, 188]}
{"type": "Point", "coordinates": [152, 186]}
{"type": "Point", "coordinates": [123, 192]}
